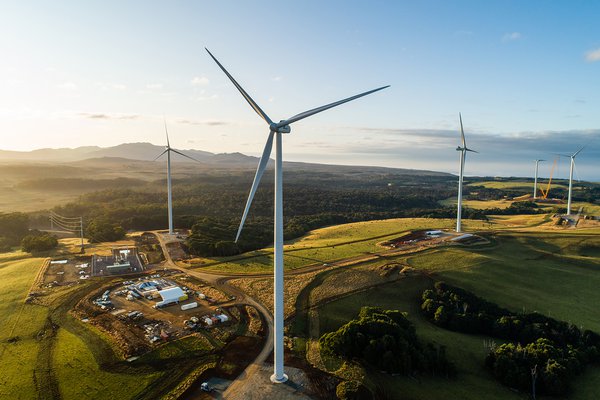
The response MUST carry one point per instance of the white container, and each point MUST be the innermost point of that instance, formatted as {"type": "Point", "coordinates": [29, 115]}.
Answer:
{"type": "Point", "coordinates": [189, 306]}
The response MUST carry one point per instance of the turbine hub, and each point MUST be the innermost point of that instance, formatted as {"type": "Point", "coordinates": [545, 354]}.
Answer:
{"type": "Point", "coordinates": [280, 129]}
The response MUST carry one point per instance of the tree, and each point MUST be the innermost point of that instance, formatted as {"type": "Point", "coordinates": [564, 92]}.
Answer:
{"type": "Point", "coordinates": [38, 241]}
{"type": "Point", "coordinates": [13, 228]}
{"type": "Point", "coordinates": [101, 230]}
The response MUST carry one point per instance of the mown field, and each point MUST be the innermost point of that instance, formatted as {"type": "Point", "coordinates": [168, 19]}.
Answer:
{"type": "Point", "coordinates": [555, 273]}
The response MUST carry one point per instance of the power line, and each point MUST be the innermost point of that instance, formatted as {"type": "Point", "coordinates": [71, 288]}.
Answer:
{"type": "Point", "coordinates": [70, 224]}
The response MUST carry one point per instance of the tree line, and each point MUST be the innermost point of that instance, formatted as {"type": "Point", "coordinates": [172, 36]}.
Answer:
{"type": "Point", "coordinates": [14, 231]}
{"type": "Point", "coordinates": [558, 350]}
{"type": "Point", "coordinates": [310, 201]}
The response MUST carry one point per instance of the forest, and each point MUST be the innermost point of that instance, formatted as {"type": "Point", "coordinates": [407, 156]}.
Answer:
{"type": "Point", "coordinates": [211, 204]}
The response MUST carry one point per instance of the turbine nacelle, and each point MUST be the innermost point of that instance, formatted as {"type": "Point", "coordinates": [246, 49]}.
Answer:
{"type": "Point", "coordinates": [280, 127]}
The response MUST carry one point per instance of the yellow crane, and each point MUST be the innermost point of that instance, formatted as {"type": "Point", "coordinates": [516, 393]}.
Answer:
{"type": "Point", "coordinates": [545, 192]}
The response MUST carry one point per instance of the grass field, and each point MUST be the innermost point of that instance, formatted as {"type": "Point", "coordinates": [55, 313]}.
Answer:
{"type": "Point", "coordinates": [478, 204]}
{"type": "Point", "coordinates": [515, 184]}
{"type": "Point", "coordinates": [79, 377]}
{"type": "Point", "coordinates": [326, 245]}
{"type": "Point", "coordinates": [555, 274]}
{"type": "Point", "coordinates": [19, 326]}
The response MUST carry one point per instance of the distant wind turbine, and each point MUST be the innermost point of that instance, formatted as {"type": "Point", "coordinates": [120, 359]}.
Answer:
{"type": "Point", "coordinates": [168, 151]}
{"type": "Point", "coordinates": [535, 179]}
{"type": "Point", "coordinates": [276, 129]}
{"type": "Point", "coordinates": [463, 154]}
{"type": "Point", "coordinates": [572, 156]}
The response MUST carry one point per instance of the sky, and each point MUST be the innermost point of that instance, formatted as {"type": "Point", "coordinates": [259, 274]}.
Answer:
{"type": "Point", "coordinates": [524, 75]}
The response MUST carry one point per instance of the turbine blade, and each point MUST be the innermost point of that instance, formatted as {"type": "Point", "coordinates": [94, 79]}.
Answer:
{"type": "Point", "coordinates": [249, 99]}
{"type": "Point", "coordinates": [577, 152]}
{"type": "Point", "coordinates": [158, 156]}
{"type": "Point", "coordinates": [167, 132]}
{"type": "Point", "coordinates": [314, 111]}
{"type": "Point", "coordinates": [576, 173]}
{"type": "Point", "coordinates": [185, 155]}
{"type": "Point", "coordinates": [264, 159]}
{"type": "Point", "coordinates": [472, 151]}
{"type": "Point", "coordinates": [462, 133]}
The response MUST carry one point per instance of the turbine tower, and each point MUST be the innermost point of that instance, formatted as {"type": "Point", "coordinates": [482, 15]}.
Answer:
{"type": "Point", "coordinates": [168, 151]}
{"type": "Point", "coordinates": [463, 153]}
{"type": "Point", "coordinates": [276, 129]}
{"type": "Point", "coordinates": [572, 156]}
{"type": "Point", "coordinates": [535, 179]}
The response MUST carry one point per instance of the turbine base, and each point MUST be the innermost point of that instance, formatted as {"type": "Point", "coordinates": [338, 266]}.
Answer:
{"type": "Point", "coordinates": [283, 379]}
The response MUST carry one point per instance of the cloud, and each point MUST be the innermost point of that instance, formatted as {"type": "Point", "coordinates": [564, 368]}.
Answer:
{"type": "Point", "coordinates": [509, 37]}
{"type": "Point", "coordinates": [203, 97]}
{"type": "Point", "coordinates": [276, 78]}
{"type": "Point", "coordinates": [494, 145]}
{"type": "Point", "coordinates": [593, 55]}
{"type": "Point", "coordinates": [109, 116]}
{"type": "Point", "coordinates": [154, 86]}
{"type": "Point", "coordinates": [70, 86]}
{"type": "Point", "coordinates": [201, 122]}
{"type": "Point", "coordinates": [108, 86]}
{"type": "Point", "coordinates": [199, 81]}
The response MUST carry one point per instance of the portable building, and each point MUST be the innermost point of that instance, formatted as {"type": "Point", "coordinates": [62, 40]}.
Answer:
{"type": "Point", "coordinates": [189, 306]}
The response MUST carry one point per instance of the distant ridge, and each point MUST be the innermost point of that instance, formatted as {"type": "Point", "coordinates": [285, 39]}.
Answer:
{"type": "Point", "coordinates": [128, 153]}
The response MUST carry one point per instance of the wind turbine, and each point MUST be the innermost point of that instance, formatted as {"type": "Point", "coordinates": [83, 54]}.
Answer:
{"type": "Point", "coordinates": [572, 156]}
{"type": "Point", "coordinates": [276, 129]}
{"type": "Point", "coordinates": [168, 151]}
{"type": "Point", "coordinates": [463, 153]}
{"type": "Point", "coordinates": [535, 180]}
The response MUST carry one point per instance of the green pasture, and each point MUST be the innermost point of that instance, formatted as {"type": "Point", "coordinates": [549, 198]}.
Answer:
{"type": "Point", "coordinates": [20, 324]}
{"type": "Point", "coordinates": [80, 377]}
{"type": "Point", "coordinates": [557, 275]}
{"type": "Point", "coordinates": [554, 274]}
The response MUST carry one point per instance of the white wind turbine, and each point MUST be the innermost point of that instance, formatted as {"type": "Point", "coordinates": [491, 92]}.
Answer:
{"type": "Point", "coordinates": [572, 156]}
{"type": "Point", "coordinates": [463, 153]}
{"type": "Point", "coordinates": [168, 151]}
{"type": "Point", "coordinates": [535, 179]}
{"type": "Point", "coordinates": [276, 129]}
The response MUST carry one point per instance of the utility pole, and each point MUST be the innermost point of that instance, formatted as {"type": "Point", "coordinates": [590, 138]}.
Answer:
{"type": "Point", "coordinates": [81, 230]}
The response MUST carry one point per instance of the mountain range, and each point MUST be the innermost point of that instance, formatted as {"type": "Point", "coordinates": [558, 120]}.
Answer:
{"type": "Point", "coordinates": [143, 152]}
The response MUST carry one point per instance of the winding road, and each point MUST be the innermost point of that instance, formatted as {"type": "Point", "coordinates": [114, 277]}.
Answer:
{"type": "Point", "coordinates": [241, 298]}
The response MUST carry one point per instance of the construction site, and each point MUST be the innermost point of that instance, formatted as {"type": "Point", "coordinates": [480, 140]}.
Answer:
{"type": "Point", "coordinates": [154, 308]}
